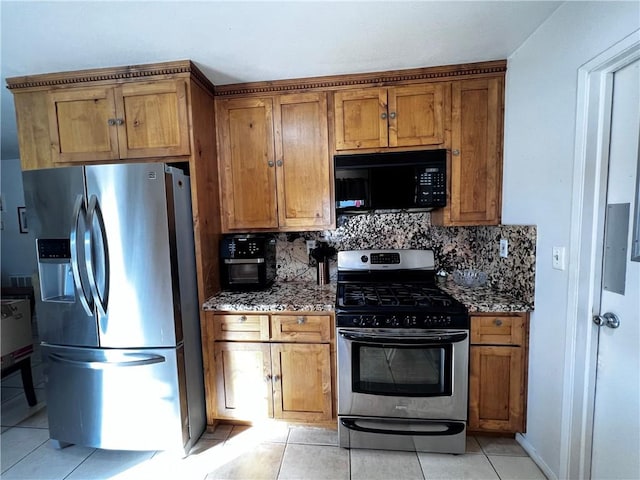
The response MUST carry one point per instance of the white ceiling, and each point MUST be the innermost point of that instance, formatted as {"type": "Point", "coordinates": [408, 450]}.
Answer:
{"type": "Point", "coordinates": [236, 41]}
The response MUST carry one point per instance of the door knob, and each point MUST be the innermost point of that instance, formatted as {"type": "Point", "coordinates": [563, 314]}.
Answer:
{"type": "Point", "coordinates": [608, 319]}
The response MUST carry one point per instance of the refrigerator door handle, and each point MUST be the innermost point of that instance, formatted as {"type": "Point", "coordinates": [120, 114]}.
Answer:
{"type": "Point", "coordinates": [78, 210]}
{"type": "Point", "coordinates": [137, 361]}
{"type": "Point", "coordinates": [94, 212]}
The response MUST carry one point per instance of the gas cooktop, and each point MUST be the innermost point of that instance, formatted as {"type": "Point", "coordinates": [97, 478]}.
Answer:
{"type": "Point", "coordinates": [393, 288]}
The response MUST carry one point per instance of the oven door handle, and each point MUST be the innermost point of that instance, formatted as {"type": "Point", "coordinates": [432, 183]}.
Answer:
{"type": "Point", "coordinates": [452, 428]}
{"type": "Point", "coordinates": [408, 340]}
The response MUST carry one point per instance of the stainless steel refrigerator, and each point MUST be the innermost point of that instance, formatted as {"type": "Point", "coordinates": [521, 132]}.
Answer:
{"type": "Point", "coordinates": [117, 305]}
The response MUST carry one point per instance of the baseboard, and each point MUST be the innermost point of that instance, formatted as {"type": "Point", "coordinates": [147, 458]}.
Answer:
{"type": "Point", "coordinates": [532, 452]}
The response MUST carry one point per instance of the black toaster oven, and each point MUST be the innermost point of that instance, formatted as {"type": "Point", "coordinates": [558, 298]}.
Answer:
{"type": "Point", "coordinates": [247, 261]}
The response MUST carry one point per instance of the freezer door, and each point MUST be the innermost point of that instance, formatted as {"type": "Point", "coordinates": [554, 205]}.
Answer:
{"type": "Point", "coordinates": [116, 399]}
{"type": "Point", "coordinates": [56, 214]}
{"type": "Point", "coordinates": [131, 256]}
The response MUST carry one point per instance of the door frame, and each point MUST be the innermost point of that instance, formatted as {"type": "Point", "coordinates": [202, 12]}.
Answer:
{"type": "Point", "coordinates": [591, 159]}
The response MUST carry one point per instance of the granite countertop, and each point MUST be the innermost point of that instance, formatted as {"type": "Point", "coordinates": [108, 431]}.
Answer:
{"type": "Point", "coordinates": [310, 297]}
{"type": "Point", "coordinates": [485, 299]}
{"type": "Point", "coordinates": [285, 296]}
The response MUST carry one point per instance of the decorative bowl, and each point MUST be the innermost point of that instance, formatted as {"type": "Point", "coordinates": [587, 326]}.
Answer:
{"type": "Point", "coordinates": [469, 278]}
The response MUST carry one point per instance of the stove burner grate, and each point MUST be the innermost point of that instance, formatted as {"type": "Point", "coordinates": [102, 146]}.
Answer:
{"type": "Point", "coordinates": [394, 295]}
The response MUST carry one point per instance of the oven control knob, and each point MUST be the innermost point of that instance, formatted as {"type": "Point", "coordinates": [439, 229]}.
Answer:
{"type": "Point", "coordinates": [363, 321]}
{"type": "Point", "coordinates": [375, 322]}
{"type": "Point", "coordinates": [364, 259]}
{"type": "Point", "coordinates": [394, 321]}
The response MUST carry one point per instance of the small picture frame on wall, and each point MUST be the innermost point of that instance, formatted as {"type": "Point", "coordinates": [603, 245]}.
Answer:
{"type": "Point", "coordinates": [22, 220]}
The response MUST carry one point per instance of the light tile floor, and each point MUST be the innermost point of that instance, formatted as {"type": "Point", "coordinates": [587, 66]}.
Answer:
{"type": "Point", "coordinates": [270, 451]}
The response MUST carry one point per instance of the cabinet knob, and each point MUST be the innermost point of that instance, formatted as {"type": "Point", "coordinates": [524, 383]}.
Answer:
{"type": "Point", "coordinates": [267, 378]}
{"type": "Point", "coordinates": [279, 163]}
{"type": "Point", "coordinates": [270, 163]}
{"type": "Point", "coordinates": [455, 152]}
{"type": "Point", "coordinates": [301, 320]}
{"type": "Point", "coordinates": [119, 121]}
{"type": "Point", "coordinates": [498, 322]}
{"type": "Point", "coordinates": [111, 121]}
{"type": "Point", "coordinates": [243, 318]}
{"type": "Point", "coordinates": [392, 115]}
{"type": "Point", "coordinates": [276, 378]}
{"type": "Point", "coordinates": [383, 116]}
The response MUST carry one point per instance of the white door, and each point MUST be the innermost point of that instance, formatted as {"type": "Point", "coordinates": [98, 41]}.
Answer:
{"type": "Point", "coordinates": [616, 429]}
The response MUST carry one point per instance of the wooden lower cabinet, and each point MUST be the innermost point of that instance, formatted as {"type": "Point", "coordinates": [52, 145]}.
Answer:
{"type": "Point", "coordinates": [243, 380]}
{"type": "Point", "coordinates": [301, 381]}
{"type": "Point", "coordinates": [497, 373]}
{"type": "Point", "coordinates": [271, 366]}
{"type": "Point", "coordinates": [279, 380]}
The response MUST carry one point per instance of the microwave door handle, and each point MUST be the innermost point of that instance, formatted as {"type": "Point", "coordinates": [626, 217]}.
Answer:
{"type": "Point", "coordinates": [78, 210]}
{"type": "Point", "coordinates": [451, 428]}
{"type": "Point", "coordinates": [235, 261]}
{"type": "Point", "coordinates": [408, 340]}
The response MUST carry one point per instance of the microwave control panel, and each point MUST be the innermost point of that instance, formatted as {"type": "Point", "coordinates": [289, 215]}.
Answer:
{"type": "Point", "coordinates": [246, 247]}
{"type": "Point", "coordinates": [431, 187]}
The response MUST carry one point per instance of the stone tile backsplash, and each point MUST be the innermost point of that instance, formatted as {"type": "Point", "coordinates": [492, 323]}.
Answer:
{"type": "Point", "coordinates": [454, 248]}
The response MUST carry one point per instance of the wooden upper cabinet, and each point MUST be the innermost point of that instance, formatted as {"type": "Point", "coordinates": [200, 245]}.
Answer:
{"type": "Point", "coordinates": [137, 120]}
{"type": "Point", "coordinates": [416, 115]}
{"type": "Point", "coordinates": [275, 169]}
{"type": "Point", "coordinates": [476, 146]}
{"type": "Point", "coordinates": [156, 123]}
{"type": "Point", "coordinates": [403, 116]}
{"type": "Point", "coordinates": [247, 163]}
{"type": "Point", "coordinates": [82, 124]}
{"type": "Point", "coordinates": [360, 118]}
{"type": "Point", "coordinates": [303, 167]}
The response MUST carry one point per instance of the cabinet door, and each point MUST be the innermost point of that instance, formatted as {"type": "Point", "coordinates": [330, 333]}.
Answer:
{"type": "Point", "coordinates": [247, 164]}
{"type": "Point", "coordinates": [476, 145]}
{"type": "Point", "coordinates": [32, 118]}
{"type": "Point", "coordinates": [416, 115]}
{"type": "Point", "coordinates": [361, 118]}
{"type": "Point", "coordinates": [301, 381]}
{"type": "Point", "coordinates": [243, 380]}
{"type": "Point", "coordinates": [82, 125]}
{"type": "Point", "coordinates": [496, 391]}
{"type": "Point", "coordinates": [303, 165]}
{"type": "Point", "coordinates": [154, 119]}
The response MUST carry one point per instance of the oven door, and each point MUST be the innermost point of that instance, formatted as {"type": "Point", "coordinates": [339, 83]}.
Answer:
{"type": "Point", "coordinates": [421, 374]}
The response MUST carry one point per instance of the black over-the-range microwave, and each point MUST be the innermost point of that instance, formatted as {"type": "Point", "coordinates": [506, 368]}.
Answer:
{"type": "Point", "coordinates": [395, 181]}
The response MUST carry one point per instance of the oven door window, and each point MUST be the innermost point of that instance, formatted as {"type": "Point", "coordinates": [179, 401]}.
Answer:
{"type": "Point", "coordinates": [410, 371]}
{"type": "Point", "coordinates": [244, 273]}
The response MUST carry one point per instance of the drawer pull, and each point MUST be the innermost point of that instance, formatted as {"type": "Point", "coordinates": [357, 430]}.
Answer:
{"type": "Point", "coordinates": [498, 322]}
{"type": "Point", "coordinates": [243, 318]}
{"type": "Point", "coordinates": [301, 320]}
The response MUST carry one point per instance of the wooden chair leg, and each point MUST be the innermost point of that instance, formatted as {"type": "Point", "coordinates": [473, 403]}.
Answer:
{"type": "Point", "coordinates": [27, 381]}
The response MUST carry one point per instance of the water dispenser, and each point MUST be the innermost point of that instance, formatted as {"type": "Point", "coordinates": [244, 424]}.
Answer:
{"type": "Point", "coordinates": [56, 274]}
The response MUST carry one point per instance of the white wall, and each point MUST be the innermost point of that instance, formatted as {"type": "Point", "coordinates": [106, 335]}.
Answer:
{"type": "Point", "coordinates": [540, 120]}
{"type": "Point", "coordinates": [18, 249]}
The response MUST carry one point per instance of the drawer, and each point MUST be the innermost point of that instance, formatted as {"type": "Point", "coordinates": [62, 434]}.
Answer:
{"type": "Point", "coordinates": [301, 328]}
{"type": "Point", "coordinates": [497, 330]}
{"type": "Point", "coordinates": [241, 327]}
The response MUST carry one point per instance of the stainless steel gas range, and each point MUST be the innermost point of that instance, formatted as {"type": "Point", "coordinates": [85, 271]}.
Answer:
{"type": "Point", "coordinates": [403, 354]}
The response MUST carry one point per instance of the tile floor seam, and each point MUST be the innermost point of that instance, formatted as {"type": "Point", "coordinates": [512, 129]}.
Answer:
{"type": "Point", "coordinates": [78, 466]}
{"type": "Point", "coordinates": [24, 456]}
{"type": "Point", "coordinates": [424, 475]}
{"type": "Point", "coordinates": [282, 456]}
{"type": "Point", "coordinates": [493, 466]}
